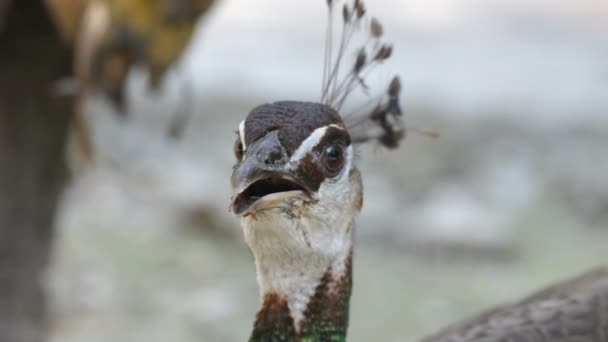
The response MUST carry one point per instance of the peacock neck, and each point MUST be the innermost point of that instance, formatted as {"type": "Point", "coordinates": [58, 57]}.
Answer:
{"type": "Point", "coordinates": [321, 315]}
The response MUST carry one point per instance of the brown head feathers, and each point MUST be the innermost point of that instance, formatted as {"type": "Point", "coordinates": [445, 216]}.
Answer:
{"type": "Point", "coordinates": [293, 120]}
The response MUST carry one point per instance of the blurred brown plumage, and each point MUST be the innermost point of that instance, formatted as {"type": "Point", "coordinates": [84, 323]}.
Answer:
{"type": "Point", "coordinates": [110, 36]}
{"type": "Point", "coordinates": [573, 310]}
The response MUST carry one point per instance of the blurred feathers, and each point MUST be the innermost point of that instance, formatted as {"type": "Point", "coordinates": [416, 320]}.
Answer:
{"type": "Point", "coordinates": [110, 36]}
{"type": "Point", "coordinates": [573, 310]}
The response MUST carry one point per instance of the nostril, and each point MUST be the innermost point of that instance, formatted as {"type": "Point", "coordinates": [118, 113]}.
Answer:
{"type": "Point", "coordinates": [273, 156]}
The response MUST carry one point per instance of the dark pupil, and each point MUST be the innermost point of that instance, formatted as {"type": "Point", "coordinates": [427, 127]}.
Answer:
{"type": "Point", "coordinates": [334, 156]}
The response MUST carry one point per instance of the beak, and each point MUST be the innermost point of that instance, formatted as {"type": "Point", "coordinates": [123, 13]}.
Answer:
{"type": "Point", "coordinates": [261, 180]}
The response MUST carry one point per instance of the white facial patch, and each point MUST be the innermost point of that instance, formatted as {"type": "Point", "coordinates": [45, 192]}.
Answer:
{"type": "Point", "coordinates": [309, 143]}
{"type": "Point", "coordinates": [242, 135]}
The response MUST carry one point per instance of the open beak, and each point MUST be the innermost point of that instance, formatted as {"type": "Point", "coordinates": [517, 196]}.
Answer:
{"type": "Point", "coordinates": [260, 181]}
{"type": "Point", "coordinates": [270, 190]}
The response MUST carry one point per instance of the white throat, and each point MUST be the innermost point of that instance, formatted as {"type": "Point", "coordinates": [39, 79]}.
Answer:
{"type": "Point", "coordinates": [292, 254]}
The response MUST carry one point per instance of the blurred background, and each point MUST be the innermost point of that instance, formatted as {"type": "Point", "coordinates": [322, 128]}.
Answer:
{"type": "Point", "coordinates": [512, 196]}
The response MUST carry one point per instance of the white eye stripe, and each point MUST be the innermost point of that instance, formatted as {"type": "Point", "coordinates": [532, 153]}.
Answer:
{"type": "Point", "coordinates": [309, 143]}
{"type": "Point", "coordinates": [242, 134]}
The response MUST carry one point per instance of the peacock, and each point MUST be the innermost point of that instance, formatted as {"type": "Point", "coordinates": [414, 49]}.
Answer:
{"type": "Point", "coordinates": [297, 191]}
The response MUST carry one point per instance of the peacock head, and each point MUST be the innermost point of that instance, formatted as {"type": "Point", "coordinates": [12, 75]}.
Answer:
{"type": "Point", "coordinates": [295, 178]}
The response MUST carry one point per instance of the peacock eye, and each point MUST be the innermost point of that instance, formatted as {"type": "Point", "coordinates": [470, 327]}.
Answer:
{"type": "Point", "coordinates": [238, 149]}
{"type": "Point", "coordinates": [333, 159]}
